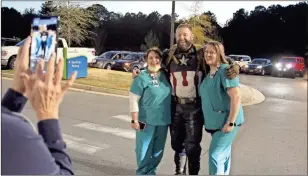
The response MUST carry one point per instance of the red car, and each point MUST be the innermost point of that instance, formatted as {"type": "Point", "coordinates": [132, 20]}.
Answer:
{"type": "Point", "coordinates": [289, 66]}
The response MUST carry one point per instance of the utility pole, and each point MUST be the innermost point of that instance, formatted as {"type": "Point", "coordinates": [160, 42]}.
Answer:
{"type": "Point", "coordinates": [172, 24]}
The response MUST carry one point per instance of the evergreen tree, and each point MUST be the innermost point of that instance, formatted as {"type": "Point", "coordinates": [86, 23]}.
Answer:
{"type": "Point", "coordinates": [48, 8]}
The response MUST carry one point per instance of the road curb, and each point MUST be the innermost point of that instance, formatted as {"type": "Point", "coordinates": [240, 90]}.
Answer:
{"type": "Point", "coordinates": [255, 97]}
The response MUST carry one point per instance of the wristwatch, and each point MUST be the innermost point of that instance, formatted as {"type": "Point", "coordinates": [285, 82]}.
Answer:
{"type": "Point", "coordinates": [232, 124]}
{"type": "Point", "coordinates": [133, 121]}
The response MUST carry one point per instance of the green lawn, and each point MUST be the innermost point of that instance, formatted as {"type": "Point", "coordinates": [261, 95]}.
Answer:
{"type": "Point", "coordinates": [100, 78]}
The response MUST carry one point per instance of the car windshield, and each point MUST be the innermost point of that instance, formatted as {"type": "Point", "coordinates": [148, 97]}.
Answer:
{"type": "Point", "coordinates": [130, 57]}
{"type": "Point", "coordinates": [21, 43]}
{"type": "Point", "coordinates": [236, 58]}
{"type": "Point", "coordinates": [287, 60]}
{"type": "Point", "coordinates": [8, 42]}
{"type": "Point", "coordinates": [107, 55]}
{"type": "Point", "coordinates": [259, 61]}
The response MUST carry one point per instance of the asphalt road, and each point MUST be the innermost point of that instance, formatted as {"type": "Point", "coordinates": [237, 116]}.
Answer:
{"type": "Point", "coordinates": [273, 140]}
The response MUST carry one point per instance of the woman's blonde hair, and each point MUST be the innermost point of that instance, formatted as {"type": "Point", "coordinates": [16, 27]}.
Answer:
{"type": "Point", "coordinates": [220, 50]}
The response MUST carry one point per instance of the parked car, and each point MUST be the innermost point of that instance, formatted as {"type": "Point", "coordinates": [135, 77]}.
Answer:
{"type": "Point", "coordinates": [130, 62]}
{"type": "Point", "coordinates": [107, 59]}
{"type": "Point", "coordinates": [290, 67]}
{"type": "Point", "coordinates": [241, 60]}
{"type": "Point", "coordinates": [9, 53]}
{"type": "Point", "coordinates": [260, 66]}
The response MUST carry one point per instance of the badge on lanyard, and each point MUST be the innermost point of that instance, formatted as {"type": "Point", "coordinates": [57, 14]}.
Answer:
{"type": "Point", "coordinates": [154, 80]}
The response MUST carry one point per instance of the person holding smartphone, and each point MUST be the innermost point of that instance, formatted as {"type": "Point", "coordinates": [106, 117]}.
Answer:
{"type": "Point", "coordinates": [150, 107]}
{"type": "Point", "coordinates": [221, 106]}
{"type": "Point", "coordinates": [25, 151]}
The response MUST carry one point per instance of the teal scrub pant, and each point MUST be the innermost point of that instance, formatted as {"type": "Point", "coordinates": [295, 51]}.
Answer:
{"type": "Point", "coordinates": [150, 144]}
{"type": "Point", "coordinates": [220, 152]}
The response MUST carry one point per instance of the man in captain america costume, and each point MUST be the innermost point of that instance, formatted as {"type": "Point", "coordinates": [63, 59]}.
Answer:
{"type": "Point", "coordinates": [185, 71]}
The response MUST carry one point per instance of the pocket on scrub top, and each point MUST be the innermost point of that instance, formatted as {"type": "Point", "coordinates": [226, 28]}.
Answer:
{"type": "Point", "coordinates": [217, 119]}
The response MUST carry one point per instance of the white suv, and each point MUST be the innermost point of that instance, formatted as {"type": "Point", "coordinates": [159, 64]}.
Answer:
{"type": "Point", "coordinates": [241, 60]}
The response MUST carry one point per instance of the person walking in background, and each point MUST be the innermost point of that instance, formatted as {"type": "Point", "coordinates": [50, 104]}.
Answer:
{"type": "Point", "coordinates": [221, 106]}
{"type": "Point", "coordinates": [23, 151]}
{"type": "Point", "coordinates": [150, 104]}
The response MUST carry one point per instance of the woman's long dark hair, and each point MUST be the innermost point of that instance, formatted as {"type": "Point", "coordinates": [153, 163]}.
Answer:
{"type": "Point", "coordinates": [156, 50]}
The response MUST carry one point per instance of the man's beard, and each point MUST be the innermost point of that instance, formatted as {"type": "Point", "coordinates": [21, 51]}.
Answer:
{"type": "Point", "coordinates": [185, 47]}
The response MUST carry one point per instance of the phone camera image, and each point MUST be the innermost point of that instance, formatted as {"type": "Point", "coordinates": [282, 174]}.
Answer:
{"type": "Point", "coordinates": [44, 39]}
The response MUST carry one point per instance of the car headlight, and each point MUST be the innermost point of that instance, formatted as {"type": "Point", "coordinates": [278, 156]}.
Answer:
{"type": "Point", "coordinates": [259, 67]}
{"type": "Point", "coordinates": [289, 66]}
{"type": "Point", "coordinates": [278, 65]}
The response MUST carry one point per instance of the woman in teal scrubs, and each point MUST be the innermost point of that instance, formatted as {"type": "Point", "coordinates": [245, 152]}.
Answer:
{"type": "Point", "coordinates": [150, 103]}
{"type": "Point", "coordinates": [221, 106]}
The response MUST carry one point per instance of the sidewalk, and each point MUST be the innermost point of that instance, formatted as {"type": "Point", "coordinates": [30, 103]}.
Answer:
{"type": "Point", "coordinates": [250, 96]}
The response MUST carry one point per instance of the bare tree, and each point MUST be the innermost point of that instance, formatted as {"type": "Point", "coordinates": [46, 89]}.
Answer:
{"type": "Point", "coordinates": [74, 22]}
{"type": "Point", "coordinates": [195, 10]}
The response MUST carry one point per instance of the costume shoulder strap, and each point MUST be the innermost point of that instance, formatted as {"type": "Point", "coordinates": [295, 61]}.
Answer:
{"type": "Point", "coordinates": [171, 55]}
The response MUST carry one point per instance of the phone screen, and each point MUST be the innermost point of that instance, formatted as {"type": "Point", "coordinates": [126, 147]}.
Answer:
{"type": "Point", "coordinates": [44, 40]}
{"type": "Point", "coordinates": [141, 125]}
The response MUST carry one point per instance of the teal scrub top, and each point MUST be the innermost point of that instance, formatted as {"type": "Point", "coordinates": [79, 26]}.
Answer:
{"type": "Point", "coordinates": [155, 101]}
{"type": "Point", "coordinates": [216, 101]}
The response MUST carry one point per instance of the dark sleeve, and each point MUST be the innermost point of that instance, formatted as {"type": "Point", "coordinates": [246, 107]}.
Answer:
{"type": "Point", "coordinates": [164, 58]}
{"type": "Point", "coordinates": [14, 101]}
{"type": "Point", "coordinates": [51, 133]}
{"type": "Point", "coordinates": [230, 61]}
{"type": "Point", "coordinates": [27, 153]}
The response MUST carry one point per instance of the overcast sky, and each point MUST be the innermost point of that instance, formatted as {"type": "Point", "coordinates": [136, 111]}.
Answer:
{"type": "Point", "coordinates": [222, 9]}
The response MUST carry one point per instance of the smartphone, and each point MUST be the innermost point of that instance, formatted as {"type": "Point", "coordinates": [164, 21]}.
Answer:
{"type": "Point", "coordinates": [44, 32]}
{"type": "Point", "coordinates": [142, 125]}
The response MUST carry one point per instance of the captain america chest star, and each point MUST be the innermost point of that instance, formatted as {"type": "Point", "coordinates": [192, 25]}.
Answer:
{"type": "Point", "coordinates": [182, 75]}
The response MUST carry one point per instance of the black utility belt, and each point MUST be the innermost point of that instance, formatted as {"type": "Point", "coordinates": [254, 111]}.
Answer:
{"type": "Point", "coordinates": [184, 100]}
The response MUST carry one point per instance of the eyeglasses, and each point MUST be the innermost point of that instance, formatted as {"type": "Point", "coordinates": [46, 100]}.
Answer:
{"type": "Point", "coordinates": [211, 53]}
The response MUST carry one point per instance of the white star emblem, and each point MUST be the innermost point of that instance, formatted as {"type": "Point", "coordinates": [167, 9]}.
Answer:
{"type": "Point", "coordinates": [184, 60]}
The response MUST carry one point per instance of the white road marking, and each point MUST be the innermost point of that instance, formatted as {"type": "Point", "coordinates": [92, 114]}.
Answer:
{"type": "Point", "coordinates": [125, 118]}
{"type": "Point", "coordinates": [79, 145]}
{"type": "Point", "coordinates": [128, 134]}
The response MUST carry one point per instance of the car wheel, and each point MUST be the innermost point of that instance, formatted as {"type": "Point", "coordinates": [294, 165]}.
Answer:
{"type": "Point", "coordinates": [302, 73]}
{"type": "Point", "coordinates": [108, 67]}
{"type": "Point", "coordinates": [11, 63]}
